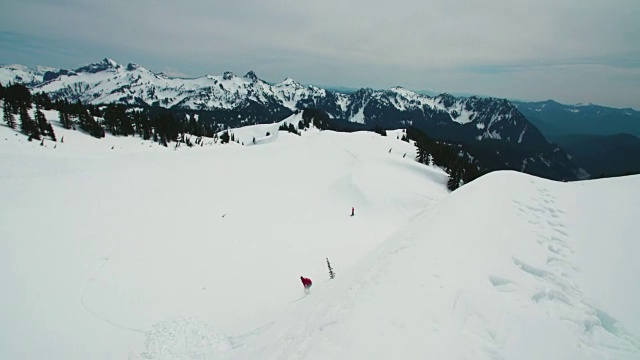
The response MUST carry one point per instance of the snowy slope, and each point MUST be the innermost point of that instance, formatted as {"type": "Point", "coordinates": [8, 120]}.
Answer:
{"type": "Point", "coordinates": [539, 270]}
{"type": "Point", "coordinates": [128, 250]}
{"type": "Point", "coordinates": [120, 248]}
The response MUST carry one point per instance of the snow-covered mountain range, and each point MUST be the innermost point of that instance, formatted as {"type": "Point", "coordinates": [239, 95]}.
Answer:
{"type": "Point", "coordinates": [244, 100]}
{"type": "Point", "coordinates": [108, 82]}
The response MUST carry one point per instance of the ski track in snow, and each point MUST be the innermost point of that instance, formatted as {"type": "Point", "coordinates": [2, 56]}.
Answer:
{"type": "Point", "coordinates": [92, 312]}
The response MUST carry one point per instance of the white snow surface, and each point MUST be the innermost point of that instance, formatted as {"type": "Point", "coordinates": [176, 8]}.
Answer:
{"type": "Point", "coordinates": [119, 248]}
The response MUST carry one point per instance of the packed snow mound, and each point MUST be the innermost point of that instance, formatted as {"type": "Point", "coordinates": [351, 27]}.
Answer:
{"type": "Point", "coordinates": [184, 338]}
{"type": "Point", "coordinates": [509, 266]}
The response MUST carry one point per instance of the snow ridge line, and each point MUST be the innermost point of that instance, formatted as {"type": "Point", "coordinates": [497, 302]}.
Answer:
{"type": "Point", "coordinates": [95, 314]}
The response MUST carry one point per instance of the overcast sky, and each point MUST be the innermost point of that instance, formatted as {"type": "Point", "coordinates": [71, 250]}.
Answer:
{"type": "Point", "coordinates": [567, 50]}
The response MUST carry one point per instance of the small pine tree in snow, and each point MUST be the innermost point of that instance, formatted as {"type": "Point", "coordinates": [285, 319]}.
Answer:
{"type": "Point", "coordinates": [331, 273]}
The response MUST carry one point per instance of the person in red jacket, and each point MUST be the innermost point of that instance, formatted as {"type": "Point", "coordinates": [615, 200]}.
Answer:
{"type": "Point", "coordinates": [306, 282]}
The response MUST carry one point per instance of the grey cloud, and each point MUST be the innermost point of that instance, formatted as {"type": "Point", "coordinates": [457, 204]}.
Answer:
{"type": "Point", "coordinates": [358, 43]}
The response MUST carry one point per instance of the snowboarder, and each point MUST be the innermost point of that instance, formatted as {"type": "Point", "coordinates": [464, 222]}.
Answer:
{"type": "Point", "coordinates": [353, 211]}
{"type": "Point", "coordinates": [306, 282]}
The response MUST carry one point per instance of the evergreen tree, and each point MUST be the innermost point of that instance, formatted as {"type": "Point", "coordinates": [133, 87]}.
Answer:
{"type": "Point", "coordinates": [454, 180]}
{"type": "Point", "coordinates": [65, 121]}
{"type": "Point", "coordinates": [459, 164]}
{"type": "Point", "coordinates": [320, 119]}
{"type": "Point", "coordinates": [146, 126]}
{"type": "Point", "coordinates": [8, 116]}
{"type": "Point", "coordinates": [41, 120]}
{"type": "Point", "coordinates": [28, 126]}
{"type": "Point", "coordinates": [423, 155]}
{"type": "Point", "coordinates": [89, 124]}
{"type": "Point", "coordinates": [50, 132]}
{"type": "Point", "coordinates": [111, 120]}
{"type": "Point", "coordinates": [224, 137]}
{"type": "Point", "coordinates": [25, 121]}
{"type": "Point", "coordinates": [18, 97]}
{"type": "Point", "coordinates": [116, 119]}
{"type": "Point", "coordinates": [125, 121]}
{"type": "Point", "coordinates": [167, 129]}
{"type": "Point", "coordinates": [43, 100]}
{"type": "Point", "coordinates": [331, 273]}
{"type": "Point", "coordinates": [288, 127]}
{"type": "Point", "coordinates": [380, 130]}
{"type": "Point", "coordinates": [194, 128]}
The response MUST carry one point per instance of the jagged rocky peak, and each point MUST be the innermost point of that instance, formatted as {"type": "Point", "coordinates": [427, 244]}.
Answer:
{"type": "Point", "coordinates": [228, 75]}
{"type": "Point", "coordinates": [289, 81]}
{"type": "Point", "coordinates": [447, 100]}
{"type": "Point", "coordinates": [52, 75]}
{"type": "Point", "coordinates": [105, 64]}
{"type": "Point", "coordinates": [251, 76]}
{"type": "Point", "coordinates": [133, 67]}
{"type": "Point", "coordinates": [364, 92]}
{"type": "Point", "coordinates": [401, 91]}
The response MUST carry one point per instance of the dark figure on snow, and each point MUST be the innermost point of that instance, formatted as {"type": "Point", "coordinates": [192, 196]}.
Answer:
{"type": "Point", "coordinates": [353, 211]}
{"type": "Point", "coordinates": [306, 282]}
